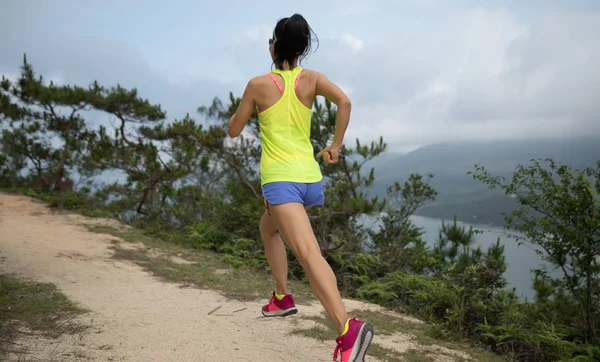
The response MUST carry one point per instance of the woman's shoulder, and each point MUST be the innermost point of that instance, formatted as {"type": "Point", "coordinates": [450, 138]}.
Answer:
{"type": "Point", "coordinates": [312, 74]}
{"type": "Point", "coordinates": [259, 80]}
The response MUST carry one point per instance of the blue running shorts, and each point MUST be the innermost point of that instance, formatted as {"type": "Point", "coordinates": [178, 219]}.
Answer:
{"type": "Point", "coordinates": [308, 194]}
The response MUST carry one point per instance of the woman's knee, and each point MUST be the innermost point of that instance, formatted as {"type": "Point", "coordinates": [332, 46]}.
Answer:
{"type": "Point", "coordinates": [267, 225]}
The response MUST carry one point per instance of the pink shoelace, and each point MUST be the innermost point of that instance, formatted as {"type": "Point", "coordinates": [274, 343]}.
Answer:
{"type": "Point", "coordinates": [338, 348]}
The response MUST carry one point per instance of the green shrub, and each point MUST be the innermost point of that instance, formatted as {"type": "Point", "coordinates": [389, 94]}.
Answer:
{"type": "Point", "coordinates": [245, 253]}
{"type": "Point", "coordinates": [424, 296]}
{"type": "Point", "coordinates": [207, 235]}
{"type": "Point", "coordinates": [353, 270]}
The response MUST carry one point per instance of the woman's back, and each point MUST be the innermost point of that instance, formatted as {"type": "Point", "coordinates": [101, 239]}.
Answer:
{"type": "Point", "coordinates": [285, 103]}
{"type": "Point", "coordinates": [268, 93]}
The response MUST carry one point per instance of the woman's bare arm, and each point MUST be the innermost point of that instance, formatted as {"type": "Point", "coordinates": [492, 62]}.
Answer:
{"type": "Point", "coordinates": [334, 94]}
{"type": "Point", "coordinates": [238, 121]}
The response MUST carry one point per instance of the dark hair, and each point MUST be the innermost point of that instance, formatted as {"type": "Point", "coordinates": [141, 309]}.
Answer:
{"type": "Point", "coordinates": [293, 39]}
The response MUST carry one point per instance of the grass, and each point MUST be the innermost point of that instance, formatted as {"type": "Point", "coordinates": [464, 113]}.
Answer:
{"type": "Point", "coordinates": [325, 331]}
{"type": "Point", "coordinates": [203, 269]}
{"type": "Point", "coordinates": [386, 325]}
{"type": "Point", "coordinates": [30, 307]}
{"type": "Point", "coordinates": [417, 355]}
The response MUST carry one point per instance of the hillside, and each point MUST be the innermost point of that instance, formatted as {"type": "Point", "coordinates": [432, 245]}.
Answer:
{"type": "Point", "coordinates": [458, 193]}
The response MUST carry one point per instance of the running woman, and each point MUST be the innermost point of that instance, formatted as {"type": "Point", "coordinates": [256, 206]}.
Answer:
{"type": "Point", "coordinates": [291, 178]}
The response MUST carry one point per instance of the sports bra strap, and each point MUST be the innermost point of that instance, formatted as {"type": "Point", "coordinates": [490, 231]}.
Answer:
{"type": "Point", "coordinates": [281, 89]}
{"type": "Point", "coordinates": [297, 79]}
{"type": "Point", "coordinates": [276, 82]}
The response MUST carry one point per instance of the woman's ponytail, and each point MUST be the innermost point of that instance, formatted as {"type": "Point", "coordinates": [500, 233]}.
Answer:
{"type": "Point", "coordinates": [293, 40]}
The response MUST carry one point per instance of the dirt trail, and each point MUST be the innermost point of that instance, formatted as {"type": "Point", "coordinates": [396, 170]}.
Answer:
{"type": "Point", "coordinates": [134, 316]}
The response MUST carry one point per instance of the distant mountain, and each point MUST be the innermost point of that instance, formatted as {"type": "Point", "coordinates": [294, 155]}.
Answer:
{"type": "Point", "coordinates": [470, 199]}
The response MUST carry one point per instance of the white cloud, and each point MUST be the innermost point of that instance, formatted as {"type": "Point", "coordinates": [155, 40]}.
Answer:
{"type": "Point", "coordinates": [417, 71]}
{"type": "Point", "coordinates": [480, 74]}
{"type": "Point", "coordinates": [258, 33]}
{"type": "Point", "coordinates": [356, 7]}
{"type": "Point", "coordinates": [353, 42]}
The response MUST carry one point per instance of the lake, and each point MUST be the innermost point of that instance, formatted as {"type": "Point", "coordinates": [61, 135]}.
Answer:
{"type": "Point", "coordinates": [520, 260]}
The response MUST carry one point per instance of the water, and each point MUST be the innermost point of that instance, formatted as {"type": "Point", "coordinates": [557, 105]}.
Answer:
{"type": "Point", "coordinates": [520, 260]}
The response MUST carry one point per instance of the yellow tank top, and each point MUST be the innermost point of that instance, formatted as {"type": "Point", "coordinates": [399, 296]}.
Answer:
{"type": "Point", "coordinates": [287, 154]}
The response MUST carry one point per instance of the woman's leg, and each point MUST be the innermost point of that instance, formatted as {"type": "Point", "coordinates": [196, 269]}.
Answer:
{"type": "Point", "coordinates": [293, 224]}
{"type": "Point", "coordinates": [275, 252]}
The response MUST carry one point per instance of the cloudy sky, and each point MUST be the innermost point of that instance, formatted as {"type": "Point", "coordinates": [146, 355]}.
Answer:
{"type": "Point", "coordinates": [417, 71]}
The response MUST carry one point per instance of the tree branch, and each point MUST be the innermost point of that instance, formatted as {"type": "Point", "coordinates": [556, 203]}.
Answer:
{"type": "Point", "coordinates": [122, 130]}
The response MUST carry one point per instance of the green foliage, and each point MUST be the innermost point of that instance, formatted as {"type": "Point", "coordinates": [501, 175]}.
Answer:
{"type": "Point", "coordinates": [558, 214]}
{"type": "Point", "coordinates": [353, 270]}
{"type": "Point", "coordinates": [206, 235]}
{"type": "Point", "coordinates": [189, 184]}
{"type": "Point", "coordinates": [33, 115]}
{"type": "Point", "coordinates": [559, 211]}
{"type": "Point", "coordinates": [79, 201]}
{"type": "Point", "coordinates": [398, 241]}
{"type": "Point", "coordinates": [237, 252]}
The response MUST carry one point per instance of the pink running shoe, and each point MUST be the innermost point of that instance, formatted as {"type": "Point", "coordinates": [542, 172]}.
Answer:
{"type": "Point", "coordinates": [280, 308]}
{"type": "Point", "coordinates": [354, 344]}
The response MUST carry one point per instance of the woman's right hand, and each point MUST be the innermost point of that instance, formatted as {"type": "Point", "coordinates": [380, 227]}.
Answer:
{"type": "Point", "coordinates": [331, 154]}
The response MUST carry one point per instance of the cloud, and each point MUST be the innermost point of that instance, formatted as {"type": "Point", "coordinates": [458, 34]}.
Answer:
{"type": "Point", "coordinates": [548, 73]}
{"type": "Point", "coordinates": [258, 33]}
{"type": "Point", "coordinates": [417, 72]}
{"type": "Point", "coordinates": [479, 74]}
{"type": "Point", "coordinates": [356, 7]}
{"type": "Point", "coordinates": [353, 42]}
